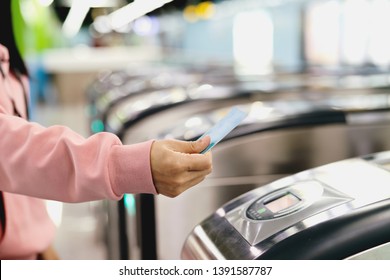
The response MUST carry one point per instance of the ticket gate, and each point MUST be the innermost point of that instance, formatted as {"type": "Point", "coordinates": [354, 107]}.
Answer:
{"type": "Point", "coordinates": [113, 88]}
{"type": "Point", "coordinates": [111, 94]}
{"type": "Point", "coordinates": [273, 142]}
{"type": "Point", "coordinates": [277, 139]}
{"type": "Point", "coordinates": [135, 117]}
{"type": "Point", "coordinates": [117, 95]}
{"type": "Point", "coordinates": [336, 211]}
{"type": "Point", "coordinates": [301, 130]}
{"type": "Point", "coordinates": [162, 108]}
{"type": "Point", "coordinates": [153, 73]}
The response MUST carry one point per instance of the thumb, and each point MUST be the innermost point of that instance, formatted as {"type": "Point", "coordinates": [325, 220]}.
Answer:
{"type": "Point", "coordinates": [195, 147]}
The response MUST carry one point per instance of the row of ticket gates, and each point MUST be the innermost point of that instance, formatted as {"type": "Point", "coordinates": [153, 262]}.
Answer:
{"type": "Point", "coordinates": [305, 176]}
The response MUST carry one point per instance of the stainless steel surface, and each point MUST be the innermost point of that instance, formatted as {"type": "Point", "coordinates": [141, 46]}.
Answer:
{"type": "Point", "coordinates": [315, 197]}
{"type": "Point", "coordinates": [381, 252]}
{"type": "Point", "coordinates": [292, 150]}
{"type": "Point", "coordinates": [177, 217]}
{"type": "Point", "coordinates": [190, 120]}
{"type": "Point", "coordinates": [137, 96]}
{"type": "Point", "coordinates": [148, 128]}
{"type": "Point", "coordinates": [164, 80]}
{"type": "Point", "coordinates": [137, 107]}
{"type": "Point", "coordinates": [221, 237]}
{"type": "Point", "coordinates": [124, 102]}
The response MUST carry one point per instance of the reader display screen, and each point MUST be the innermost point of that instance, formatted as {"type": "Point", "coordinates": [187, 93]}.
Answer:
{"type": "Point", "coordinates": [282, 202]}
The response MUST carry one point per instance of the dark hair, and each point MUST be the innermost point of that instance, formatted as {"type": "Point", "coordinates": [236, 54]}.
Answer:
{"type": "Point", "coordinates": [7, 38]}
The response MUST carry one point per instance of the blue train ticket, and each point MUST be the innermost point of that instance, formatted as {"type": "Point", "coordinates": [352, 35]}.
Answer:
{"type": "Point", "coordinates": [223, 127]}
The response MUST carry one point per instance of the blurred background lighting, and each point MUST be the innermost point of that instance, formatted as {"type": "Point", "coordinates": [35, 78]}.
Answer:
{"type": "Point", "coordinates": [102, 24]}
{"type": "Point", "coordinates": [73, 22]}
{"type": "Point", "coordinates": [205, 10]}
{"type": "Point", "coordinates": [189, 13]}
{"type": "Point", "coordinates": [46, 3]}
{"type": "Point", "coordinates": [134, 10]}
{"type": "Point", "coordinates": [253, 42]}
{"type": "Point", "coordinates": [146, 25]}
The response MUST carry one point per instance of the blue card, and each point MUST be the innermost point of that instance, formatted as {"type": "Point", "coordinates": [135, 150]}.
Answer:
{"type": "Point", "coordinates": [223, 127]}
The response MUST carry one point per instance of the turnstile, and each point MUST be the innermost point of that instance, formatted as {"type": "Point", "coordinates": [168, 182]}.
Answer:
{"type": "Point", "coordinates": [113, 88]}
{"type": "Point", "coordinates": [336, 211]}
{"type": "Point", "coordinates": [292, 134]}
{"type": "Point", "coordinates": [278, 138]}
{"type": "Point", "coordinates": [273, 142]}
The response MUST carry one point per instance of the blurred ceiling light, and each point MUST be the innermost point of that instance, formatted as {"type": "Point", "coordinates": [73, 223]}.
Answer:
{"type": "Point", "coordinates": [189, 13]}
{"type": "Point", "coordinates": [355, 31]}
{"type": "Point", "coordinates": [79, 10]}
{"type": "Point", "coordinates": [102, 24]}
{"type": "Point", "coordinates": [205, 10]}
{"type": "Point", "coordinates": [73, 22]}
{"type": "Point", "coordinates": [145, 26]}
{"type": "Point", "coordinates": [124, 29]}
{"type": "Point", "coordinates": [194, 121]}
{"type": "Point", "coordinates": [134, 10]}
{"type": "Point", "coordinates": [253, 33]}
{"type": "Point", "coordinates": [379, 45]}
{"type": "Point", "coordinates": [46, 3]}
{"type": "Point", "coordinates": [92, 3]}
{"type": "Point", "coordinates": [103, 3]}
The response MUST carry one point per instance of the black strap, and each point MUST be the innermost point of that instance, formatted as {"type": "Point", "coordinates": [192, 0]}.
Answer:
{"type": "Point", "coordinates": [2, 211]}
{"type": "Point", "coordinates": [1, 70]}
{"type": "Point", "coordinates": [18, 76]}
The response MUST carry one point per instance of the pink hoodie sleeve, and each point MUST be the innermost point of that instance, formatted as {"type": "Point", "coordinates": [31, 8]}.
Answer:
{"type": "Point", "coordinates": [57, 163]}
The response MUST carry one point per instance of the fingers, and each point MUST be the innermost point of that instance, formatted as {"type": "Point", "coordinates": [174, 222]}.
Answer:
{"type": "Point", "coordinates": [178, 185]}
{"type": "Point", "coordinates": [188, 157]}
{"type": "Point", "coordinates": [191, 147]}
{"type": "Point", "coordinates": [177, 165]}
{"type": "Point", "coordinates": [195, 162]}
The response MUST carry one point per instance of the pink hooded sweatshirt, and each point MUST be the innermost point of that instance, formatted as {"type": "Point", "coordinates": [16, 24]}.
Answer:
{"type": "Point", "coordinates": [58, 164]}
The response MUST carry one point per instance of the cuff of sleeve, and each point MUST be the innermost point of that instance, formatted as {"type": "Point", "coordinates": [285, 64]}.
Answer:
{"type": "Point", "coordinates": [129, 169]}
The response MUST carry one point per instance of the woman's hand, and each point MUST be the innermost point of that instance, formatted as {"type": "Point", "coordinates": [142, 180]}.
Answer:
{"type": "Point", "coordinates": [178, 165]}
